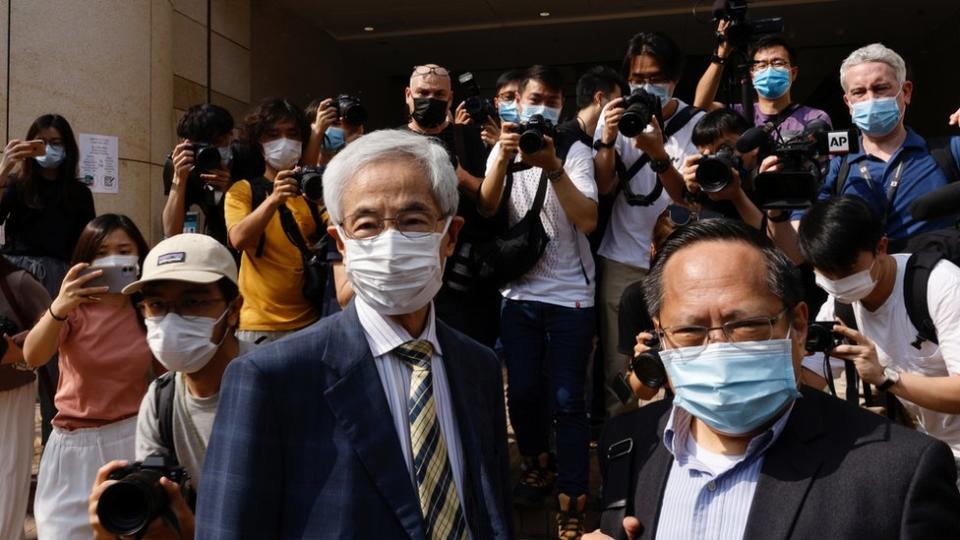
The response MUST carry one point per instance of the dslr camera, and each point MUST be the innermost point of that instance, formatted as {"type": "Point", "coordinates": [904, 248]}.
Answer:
{"type": "Point", "coordinates": [715, 171]}
{"type": "Point", "coordinates": [477, 107]}
{"type": "Point", "coordinates": [130, 505]}
{"type": "Point", "coordinates": [647, 367]}
{"type": "Point", "coordinates": [532, 133]}
{"type": "Point", "coordinates": [822, 338]}
{"type": "Point", "coordinates": [349, 109]}
{"type": "Point", "coordinates": [741, 31]}
{"type": "Point", "coordinates": [641, 108]}
{"type": "Point", "coordinates": [206, 159]}
{"type": "Point", "coordinates": [310, 180]}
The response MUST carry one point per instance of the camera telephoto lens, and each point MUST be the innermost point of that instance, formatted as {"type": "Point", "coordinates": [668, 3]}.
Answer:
{"type": "Point", "coordinates": [635, 119]}
{"type": "Point", "coordinates": [129, 506]}
{"type": "Point", "coordinates": [311, 183]}
{"type": "Point", "coordinates": [714, 173]}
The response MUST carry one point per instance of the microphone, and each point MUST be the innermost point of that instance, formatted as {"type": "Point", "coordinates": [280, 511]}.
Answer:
{"type": "Point", "coordinates": [936, 204]}
{"type": "Point", "coordinates": [754, 138]}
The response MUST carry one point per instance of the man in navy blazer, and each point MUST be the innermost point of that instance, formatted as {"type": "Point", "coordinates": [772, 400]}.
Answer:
{"type": "Point", "coordinates": [380, 421]}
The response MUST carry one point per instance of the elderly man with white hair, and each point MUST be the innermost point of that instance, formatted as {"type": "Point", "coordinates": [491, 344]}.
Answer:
{"type": "Point", "coordinates": [895, 165]}
{"type": "Point", "coordinates": [380, 421]}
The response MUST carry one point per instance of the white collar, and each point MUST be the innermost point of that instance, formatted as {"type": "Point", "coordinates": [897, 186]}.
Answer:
{"type": "Point", "coordinates": [384, 334]}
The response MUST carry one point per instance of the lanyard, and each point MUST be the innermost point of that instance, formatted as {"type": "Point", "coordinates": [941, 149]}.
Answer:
{"type": "Point", "coordinates": [892, 190]}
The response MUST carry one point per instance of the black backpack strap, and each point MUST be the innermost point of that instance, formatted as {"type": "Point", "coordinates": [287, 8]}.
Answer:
{"type": "Point", "coordinates": [164, 394]}
{"type": "Point", "coordinates": [541, 193]}
{"type": "Point", "coordinates": [940, 150]}
{"type": "Point", "coordinates": [679, 119]}
{"type": "Point", "coordinates": [617, 488]}
{"type": "Point", "coordinates": [260, 188]}
{"type": "Point", "coordinates": [290, 227]}
{"type": "Point", "coordinates": [844, 312]}
{"type": "Point", "coordinates": [915, 281]}
{"type": "Point", "coordinates": [842, 175]}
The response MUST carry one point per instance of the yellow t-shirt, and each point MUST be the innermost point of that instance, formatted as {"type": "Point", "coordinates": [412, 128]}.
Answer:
{"type": "Point", "coordinates": [272, 284]}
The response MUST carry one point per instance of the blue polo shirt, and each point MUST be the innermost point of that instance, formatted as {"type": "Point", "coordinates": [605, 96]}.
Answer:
{"type": "Point", "coordinates": [870, 177]}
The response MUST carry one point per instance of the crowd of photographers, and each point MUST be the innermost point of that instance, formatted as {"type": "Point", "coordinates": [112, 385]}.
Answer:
{"type": "Point", "coordinates": [564, 215]}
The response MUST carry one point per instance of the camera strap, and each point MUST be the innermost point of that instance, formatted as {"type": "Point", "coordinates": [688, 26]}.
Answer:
{"type": "Point", "coordinates": [676, 123]}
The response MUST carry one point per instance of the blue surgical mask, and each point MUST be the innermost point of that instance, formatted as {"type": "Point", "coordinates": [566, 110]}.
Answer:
{"type": "Point", "coordinates": [876, 117]}
{"type": "Point", "coordinates": [733, 389]}
{"type": "Point", "coordinates": [53, 158]}
{"type": "Point", "coordinates": [508, 111]}
{"type": "Point", "coordinates": [333, 139]}
{"type": "Point", "coordinates": [661, 90]}
{"type": "Point", "coordinates": [549, 113]}
{"type": "Point", "coordinates": [772, 83]}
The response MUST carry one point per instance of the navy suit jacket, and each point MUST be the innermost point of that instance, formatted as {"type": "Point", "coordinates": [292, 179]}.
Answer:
{"type": "Point", "coordinates": [304, 444]}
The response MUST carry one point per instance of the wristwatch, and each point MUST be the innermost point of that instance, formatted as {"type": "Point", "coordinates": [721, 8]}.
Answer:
{"type": "Point", "coordinates": [891, 378]}
{"type": "Point", "coordinates": [553, 176]}
{"type": "Point", "coordinates": [598, 144]}
{"type": "Point", "coordinates": [714, 59]}
{"type": "Point", "coordinates": [659, 165]}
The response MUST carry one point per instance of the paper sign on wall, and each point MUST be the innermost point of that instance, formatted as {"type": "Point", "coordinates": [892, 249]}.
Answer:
{"type": "Point", "coordinates": [99, 162]}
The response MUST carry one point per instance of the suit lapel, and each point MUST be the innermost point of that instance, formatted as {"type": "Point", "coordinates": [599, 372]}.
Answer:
{"type": "Point", "coordinates": [788, 470]}
{"type": "Point", "coordinates": [652, 481]}
{"type": "Point", "coordinates": [463, 393]}
{"type": "Point", "coordinates": [357, 400]}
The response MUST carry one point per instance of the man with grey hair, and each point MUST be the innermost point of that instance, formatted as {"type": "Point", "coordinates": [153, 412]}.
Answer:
{"type": "Point", "coordinates": [895, 165]}
{"type": "Point", "coordinates": [743, 451]}
{"type": "Point", "coordinates": [379, 421]}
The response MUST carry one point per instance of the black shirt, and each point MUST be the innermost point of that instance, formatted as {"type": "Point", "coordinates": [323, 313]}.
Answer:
{"type": "Point", "coordinates": [215, 223]}
{"type": "Point", "coordinates": [50, 229]}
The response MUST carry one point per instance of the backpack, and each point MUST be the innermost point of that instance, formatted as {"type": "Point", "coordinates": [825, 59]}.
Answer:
{"type": "Point", "coordinates": [163, 403]}
{"type": "Point", "coordinates": [679, 119]}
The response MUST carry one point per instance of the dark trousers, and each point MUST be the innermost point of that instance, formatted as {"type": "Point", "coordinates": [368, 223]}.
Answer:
{"type": "Point", "coordinates": [546, 348]}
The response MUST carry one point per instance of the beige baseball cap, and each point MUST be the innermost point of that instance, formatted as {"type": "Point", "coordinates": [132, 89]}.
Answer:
{"type": "Point", "coordinates": [196, 258]}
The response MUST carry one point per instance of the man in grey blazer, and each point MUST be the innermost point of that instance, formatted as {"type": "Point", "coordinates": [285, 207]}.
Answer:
{"type": "Point", "coordinates": [380, 421]}
{"type": "Point", "coordinates": [742, 451]}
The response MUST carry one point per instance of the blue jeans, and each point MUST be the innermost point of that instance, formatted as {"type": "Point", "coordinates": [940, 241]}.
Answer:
{"type": "Point", "coordinates": [546, 348]}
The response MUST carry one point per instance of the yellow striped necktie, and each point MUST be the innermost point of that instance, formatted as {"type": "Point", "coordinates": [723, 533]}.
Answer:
{"type": "Point", "coordinates": [439, 502]}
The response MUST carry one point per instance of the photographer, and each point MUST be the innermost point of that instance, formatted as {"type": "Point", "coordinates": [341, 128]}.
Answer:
{"type": "Point", "coordinates": [895, 165]}
{"type": "Point", "coordinates": [505, 100]}
{"type": "Point", "coordinates": [653, 65]}
{"type": "Point", "coordinates": [272, 269]}
{"type": "Point", "coordinates": [191, 307]}
{"type": "Point", "coordinates": [547, 318]}
{"type": "Point", "coordinates": [843, 239]}
{"type": "Point", "coordinates": [205, 131]}
{"type": "Point", "coordinates": [329, 130]}
{"type": "Point", "coordinates": [773, 68]}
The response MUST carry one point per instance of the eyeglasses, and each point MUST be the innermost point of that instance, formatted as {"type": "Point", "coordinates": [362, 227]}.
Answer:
{"type": "Point", "coordinates": [760, 65]}
{"type": "Point", "coordinates": [410, 223]}
{"type": "Point", "coordinates": [740, 333]}
{"type": "Point", "coordinates": [507, 96]}
{"type": "Point", "coordinates": [423, 71]}
{"type": "Point", "coordinates": [188, 306]}
{"type": "Point", "coordinates": [654, 78]}
{"type": "Point", "coordinates": [681, 215]}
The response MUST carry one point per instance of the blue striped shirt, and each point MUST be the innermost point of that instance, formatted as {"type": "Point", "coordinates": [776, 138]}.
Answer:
{"type": "Point", "coordinates": [698, 503]}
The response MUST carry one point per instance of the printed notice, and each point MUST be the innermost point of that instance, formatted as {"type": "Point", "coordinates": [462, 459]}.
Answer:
{"type": "Point", "coordinates": [99, 162]}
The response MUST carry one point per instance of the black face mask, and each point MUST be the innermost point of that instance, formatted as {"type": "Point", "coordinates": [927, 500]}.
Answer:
{"type": "Point", "coordinates": [429, 112]}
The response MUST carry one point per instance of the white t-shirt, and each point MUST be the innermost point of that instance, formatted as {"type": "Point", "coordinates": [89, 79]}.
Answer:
{"type": "Point", "coordinates": [890, 328]}
{"type": "Point", "coordinates": [564, 275]}
{"type": "Point", "coordinates": [630, 229]}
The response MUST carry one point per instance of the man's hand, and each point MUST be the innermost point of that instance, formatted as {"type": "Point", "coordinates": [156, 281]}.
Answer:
{"type": "Point", "coordinates": [218, 179]}
{"type": "Point", "coordinates": [862, 352]}
{"type": "Point", "coordinates": [284, 187]}
{"type": "Point", "coordinates": [326, 116]}
{"type": "Point", "coordinates": [724, 48]}
{"type": "Point", "coordinates": [690, 166]}
{"type": "Point", "coordinates": [509, 141]}
{"type": "Point", "coordinates": [182, 162]}
{"type": "Point", "coordinates": [612, 114]}
{"type": "Point", "coordinates": [490, 132]}
{"type": "Point", "coordinates": [954, 119]}
{"type": "Point", "coordinates": [631, 526]}
{"type": "Point", "coordinates": [545, 159]}
{"type": "Point", "coordinates": [158, 529]}
{"type": "Point", "coordinates": [462, 117]}
{"type": "Point", "coordinates": [770, 164]}
{"type": "Point", "coordinates": [651, 142]}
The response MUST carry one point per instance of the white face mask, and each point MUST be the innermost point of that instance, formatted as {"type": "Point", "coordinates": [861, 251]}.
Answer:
{"type": "Point", "coordinates": [850, 289]}
{"type": "Point", "coordinates": [183, 344]}
{"type": "Point", "coordinates": [392, 273]}
{"type": "Point", "coordinates": [282, 154]}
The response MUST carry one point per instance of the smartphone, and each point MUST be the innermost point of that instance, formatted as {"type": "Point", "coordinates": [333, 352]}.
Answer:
{"type": "Point", "coordinates": [37, 148]}
{"type": "Point", "coordinates": [115, 277]}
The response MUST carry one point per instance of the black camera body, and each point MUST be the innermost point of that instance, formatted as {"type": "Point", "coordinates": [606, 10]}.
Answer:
{"type": "Point", "coordinates": [715, 171]}
{"type": "Point", "coordinates": [350, 110]}
{"type": "Point", "coordinates": [741, 31]}
{"type": "Point", "coordinates": [310, 180]}
{"type": "Point", "coordinates": [641, 108]}
{"type": "Point", "coordinates": [648, 369]}
{"type": "Point", "coordinates": [532, 133]}
{"type": "Point", "coordinates": [479, 108]}
{"type": "Point", "coordinates": [822, 338]}
{"type": "Point", "coordinates": [206, 159]}
{"type": "Point", "coordinates": [137, 498]}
